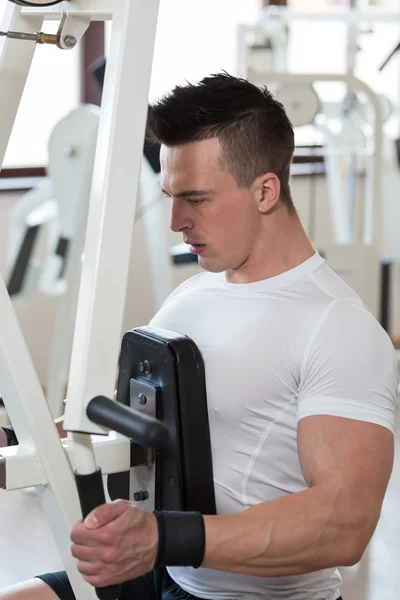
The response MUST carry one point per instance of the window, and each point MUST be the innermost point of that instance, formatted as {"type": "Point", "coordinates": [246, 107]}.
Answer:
{"type": "Point", "coordinates": [52, 90]}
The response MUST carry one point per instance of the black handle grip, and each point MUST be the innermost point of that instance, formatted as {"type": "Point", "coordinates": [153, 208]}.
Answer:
{"type": "Point", "coordinates": [144, 430]}
{"type": "Point", "coordinates": [91, 494]}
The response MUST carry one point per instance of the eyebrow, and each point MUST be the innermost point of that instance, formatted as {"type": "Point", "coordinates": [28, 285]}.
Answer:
{"type": "Point", "coordinates": [186, 193]}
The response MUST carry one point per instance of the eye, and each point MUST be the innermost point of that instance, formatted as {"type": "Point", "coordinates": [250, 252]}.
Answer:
{"type": "Point", "coordinates": [194, 202]}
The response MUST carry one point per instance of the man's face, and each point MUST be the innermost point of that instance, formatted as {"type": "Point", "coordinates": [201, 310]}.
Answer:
{"type": "Point", "coordinates": [220, 222]}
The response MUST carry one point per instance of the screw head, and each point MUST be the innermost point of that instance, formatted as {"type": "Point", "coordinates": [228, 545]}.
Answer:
{"type": "Point", "coordinates": [142, 399]}
{"type": "Point", "coordinates": [140, 496]}
{"type": "Point", "coordinates": [69, 151]}
{"type": "Point", "coordinates": [147, 367]}
{"type": "Point", "coordinates": [70, 41]}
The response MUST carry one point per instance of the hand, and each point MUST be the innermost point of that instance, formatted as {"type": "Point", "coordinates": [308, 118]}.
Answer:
{"type": "Point", "coordinates": [116, 542]}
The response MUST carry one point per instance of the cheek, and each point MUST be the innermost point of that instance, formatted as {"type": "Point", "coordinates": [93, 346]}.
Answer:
{"type": "Point", "coordinates": [237, 223]}
{"type": "Point", "coordinates": [229, 223]}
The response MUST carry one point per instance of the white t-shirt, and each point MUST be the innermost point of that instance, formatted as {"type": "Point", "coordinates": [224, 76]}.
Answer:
{"type": "Point", "coordinates": [298, 344]}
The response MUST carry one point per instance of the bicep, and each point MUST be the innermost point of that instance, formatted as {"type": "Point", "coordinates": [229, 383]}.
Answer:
{"type": "Point", "coordinates": [353, 458]}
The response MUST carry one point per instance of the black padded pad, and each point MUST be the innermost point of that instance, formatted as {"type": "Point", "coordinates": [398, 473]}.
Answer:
{"type": "Point", "coordinates": [183, 477]}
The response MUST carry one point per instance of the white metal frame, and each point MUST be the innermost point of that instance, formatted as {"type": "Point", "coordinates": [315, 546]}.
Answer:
{"type": "Point", "coordinates": [60, 207]}
{"type": "Point", "coordinates": [71, 179]}
{"type": "Point", "coordinates": [106, 256]}
{"type": "Point", "coordinates": [372, 14]}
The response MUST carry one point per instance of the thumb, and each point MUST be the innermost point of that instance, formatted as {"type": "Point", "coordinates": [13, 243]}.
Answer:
{"type": "Point", "coordinates": [104, 514]}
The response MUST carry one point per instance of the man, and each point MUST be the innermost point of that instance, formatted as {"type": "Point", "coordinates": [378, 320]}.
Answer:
{"type": "Point", "coordinates": [301, 379]}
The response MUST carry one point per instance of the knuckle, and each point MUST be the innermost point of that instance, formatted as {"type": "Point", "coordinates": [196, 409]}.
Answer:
{"type": "Point", "coordinates": [109, 556]}
{"type": "Point", "coordinates": [76, 532]}
{"type": "Point", "coordinates": [119, 502]}
{"type": "Point", "coordinates": [106, 536]}
{"type": "Point", "coordinates": [113, 568]}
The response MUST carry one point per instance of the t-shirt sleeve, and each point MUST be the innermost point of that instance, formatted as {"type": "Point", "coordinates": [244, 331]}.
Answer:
{"type": "Point", "coordinates": [349, 368]}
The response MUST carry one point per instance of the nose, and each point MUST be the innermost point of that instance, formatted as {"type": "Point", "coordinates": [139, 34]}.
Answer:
{"type": "Point", "coordinates": [179, 219]}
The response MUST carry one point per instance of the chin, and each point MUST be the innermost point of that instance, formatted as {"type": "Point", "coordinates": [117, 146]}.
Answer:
{"type": "Point", "coordinates": [210, 265]}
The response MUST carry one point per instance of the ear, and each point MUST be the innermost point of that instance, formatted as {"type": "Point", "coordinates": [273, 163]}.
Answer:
{"type": "Point", "coordinates": [267, 189]}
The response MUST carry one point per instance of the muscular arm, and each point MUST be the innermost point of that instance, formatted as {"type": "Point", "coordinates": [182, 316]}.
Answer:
{"type": "Point", "coordinates": [347, 465]}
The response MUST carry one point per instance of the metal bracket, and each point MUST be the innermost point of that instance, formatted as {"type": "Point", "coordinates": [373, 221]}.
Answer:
{"type": "Point", "coordinates": [20, 467]}
{"type": "Point", "coordinates": [71, 30]}
{"type": "Point", "coordinates": [143, 397]}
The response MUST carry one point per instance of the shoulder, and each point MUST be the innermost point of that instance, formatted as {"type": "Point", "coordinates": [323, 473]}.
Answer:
{"type": "Point", "coordinates": [350, 368]}
{"type": "Point", "coordinates": [351, 321]}
{"type": "Point", "coordinates": [348, 331]}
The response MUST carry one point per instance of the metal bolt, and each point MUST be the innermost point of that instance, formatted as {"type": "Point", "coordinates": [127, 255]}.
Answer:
{"type": "Point", "coordinates": [140, 496]}
{"type": "Point", "coordinates": [69, 151]}
{"type": "Point", "coordinates": [147, 367]}
{"type": "Point", "coordinates": [142, 399]}
{"type": "Point", "coordinates": [70, 41]}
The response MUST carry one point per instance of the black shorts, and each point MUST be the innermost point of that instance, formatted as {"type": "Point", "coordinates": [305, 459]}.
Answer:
{"type": "Point", "coordinates": [156, 585]}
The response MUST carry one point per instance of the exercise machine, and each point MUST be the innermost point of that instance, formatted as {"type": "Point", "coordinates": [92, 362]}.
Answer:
{"type": "Point", "coordinates": [352, 153]}
{"type": "Point", "coordinates": [55, 211]}
{"type": "Point", "coordinates": [40, 459]}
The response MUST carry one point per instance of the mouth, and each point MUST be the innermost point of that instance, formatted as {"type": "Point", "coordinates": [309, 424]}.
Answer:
{"type": "Point", "coordinates": [196, 248]}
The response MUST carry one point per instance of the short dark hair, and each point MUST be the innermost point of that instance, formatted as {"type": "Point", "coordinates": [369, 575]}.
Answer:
{"type": "Point", "coordinates": [254, 131]}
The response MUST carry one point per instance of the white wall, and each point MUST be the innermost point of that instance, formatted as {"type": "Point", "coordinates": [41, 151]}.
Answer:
{"type": "Point", "coordinates": [196, 38]}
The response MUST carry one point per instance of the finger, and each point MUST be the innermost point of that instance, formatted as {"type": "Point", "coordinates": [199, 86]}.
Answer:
{"type": "Point", "coordinates": [90, 569]}
{"type": "Point", "coordinates": [105, 514]}
{"type": "Point", "coordinates": [92, 537]}
{"type": "Point", "coordinates": [92, 554]}
{"type": "Point", "coordinates": [105, 577]}
{"type": "Point", "coordinates": [126, 516]}
{"type": "Point", "coordinates": [80, 535]}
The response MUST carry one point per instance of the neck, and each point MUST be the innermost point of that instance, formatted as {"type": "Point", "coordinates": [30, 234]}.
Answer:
{"type": "Point", "coordinates": [281, 245]}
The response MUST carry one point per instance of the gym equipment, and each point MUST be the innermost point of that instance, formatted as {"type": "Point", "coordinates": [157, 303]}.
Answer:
{"type": "Point", "coordinates": [36, 2]}
{"type": "Point", "coordinates": [40, 459]}
{"type": "Point", "coordinates": [161, 374]}
{"type": "Point", "coordinates": [358, 147]}
{"type": "Point", "coordinates": [150, 195]}
{"type": "Point", "coordinates": [58, 207]}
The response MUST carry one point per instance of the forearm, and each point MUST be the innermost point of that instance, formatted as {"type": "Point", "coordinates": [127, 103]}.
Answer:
{"type": "Point", "coordinates": [300, 533]}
